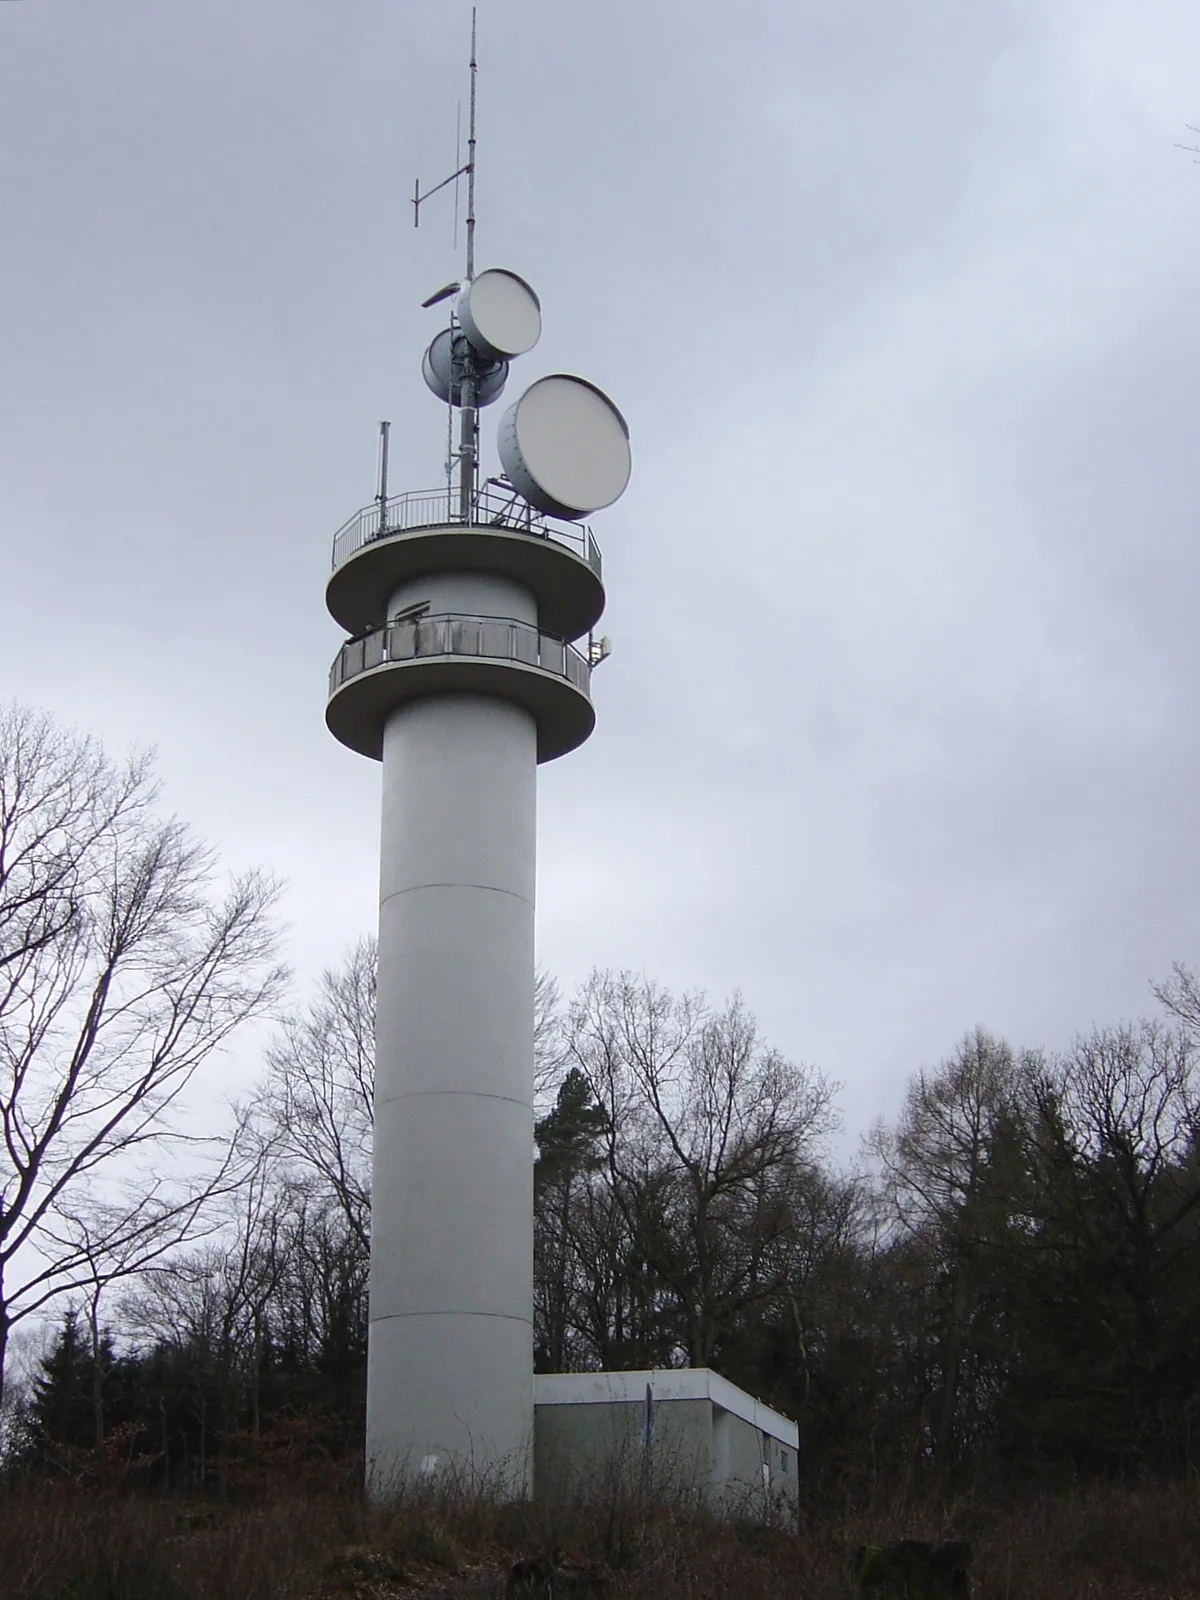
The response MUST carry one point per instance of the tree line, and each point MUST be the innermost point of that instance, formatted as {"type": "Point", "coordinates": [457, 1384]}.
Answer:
{"type": "Point", "coordinates": [1010, 1283]}
{"type": "Point", "coordinates": [1005, 1285]}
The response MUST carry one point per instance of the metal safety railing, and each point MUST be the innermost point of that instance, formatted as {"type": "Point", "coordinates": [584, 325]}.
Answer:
{"type": "Point", "coordinates": [453, 634]}
{"type": "Point", "coordinates": [431, 508]}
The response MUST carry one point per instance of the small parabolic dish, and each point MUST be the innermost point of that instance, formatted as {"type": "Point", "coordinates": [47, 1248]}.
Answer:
{"type": "Point", "coordinates": [565, 447]}
{"type": "Point", "coordinates": [444, 364]}
{"type": "Point", "coordinates": [500, 314]}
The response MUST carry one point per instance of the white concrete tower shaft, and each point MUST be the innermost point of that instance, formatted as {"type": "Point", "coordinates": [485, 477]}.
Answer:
{"type": "Point", "coordinates": [460, 676]}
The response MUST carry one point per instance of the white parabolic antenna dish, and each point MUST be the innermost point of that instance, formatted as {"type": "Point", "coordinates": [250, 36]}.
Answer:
{"type": "Point", "coordinates": [443, 368]}
{"type": "Point", "coordinates": [500, 314]}
{"type": "Point", "coordinates": [565, 447]}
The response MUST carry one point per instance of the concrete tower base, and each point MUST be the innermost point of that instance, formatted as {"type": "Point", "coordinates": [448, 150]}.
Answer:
{"type": "Point", "coordinates": [450, 1381]}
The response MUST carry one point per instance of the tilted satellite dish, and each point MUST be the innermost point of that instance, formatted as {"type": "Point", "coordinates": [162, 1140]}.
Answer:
{"type": "Point", "coordinates": [500, 314]}
{"type": "Point", "coordinates": [565, 447]}
{"type": "Point", "coordinates": [443, 368]}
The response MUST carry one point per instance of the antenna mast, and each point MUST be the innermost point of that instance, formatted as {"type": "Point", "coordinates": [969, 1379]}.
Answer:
{"type": "Point", "coordinates": [468, 439]}
{"type": "Point", "coordinates": [470, 166]}
{"type": "Point", "coordinates": [468, 444]}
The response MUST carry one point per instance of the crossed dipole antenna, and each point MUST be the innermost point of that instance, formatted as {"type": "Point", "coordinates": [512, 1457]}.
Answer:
{"type": "Point", "coordinates": [467, 170]}
{"type": "Point", "coordinates": [467, 453]}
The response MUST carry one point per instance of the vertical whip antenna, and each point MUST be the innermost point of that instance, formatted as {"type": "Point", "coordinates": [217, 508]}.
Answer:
{"type": "Point", "coordinates": [470, 167]}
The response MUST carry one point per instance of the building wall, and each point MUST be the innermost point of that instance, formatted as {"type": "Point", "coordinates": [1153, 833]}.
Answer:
{"type": "Point", "coordinates": [741, 1452]}
{"type": "Point", "coordinates": [738, 1450]}
{"type": "Point", "coordinates": [784, 1461]}
{"type": "Point", "coordinates": [696, 1446]}
{"type": "Point", "coordinates": [708, 1437]}
{"type": "Point", "coordinates": [577, 1447]}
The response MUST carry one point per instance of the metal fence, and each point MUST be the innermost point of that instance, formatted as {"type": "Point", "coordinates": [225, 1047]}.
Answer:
{"type": "Point", "coordinates": [450, 634]}
{"type": "Point", "coordinates": [431, 508]}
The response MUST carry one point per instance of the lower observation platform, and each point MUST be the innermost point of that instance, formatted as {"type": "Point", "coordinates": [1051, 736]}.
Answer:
{"type": "Point", "coordinates": [452, 654]}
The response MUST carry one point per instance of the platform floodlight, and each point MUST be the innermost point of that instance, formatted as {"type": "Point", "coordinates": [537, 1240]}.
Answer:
{"type": "Point", "coordinates": [443, 293]}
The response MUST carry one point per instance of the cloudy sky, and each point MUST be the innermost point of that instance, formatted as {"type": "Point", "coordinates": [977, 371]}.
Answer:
{"type": "Point", "coordinates": [900, 300]}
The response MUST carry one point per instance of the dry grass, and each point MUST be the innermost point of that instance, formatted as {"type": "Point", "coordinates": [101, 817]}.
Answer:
{"type": "Point", "coordinates": [73, 1543]}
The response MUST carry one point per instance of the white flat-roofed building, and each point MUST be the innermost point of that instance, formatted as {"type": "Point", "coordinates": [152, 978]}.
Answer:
{"type": "Point", "coordinates": [670, 1429]}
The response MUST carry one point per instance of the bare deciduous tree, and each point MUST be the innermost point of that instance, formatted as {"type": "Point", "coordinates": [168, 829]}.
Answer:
{"type": "Point", "coordinates": [1180, 995]}
{"type": "Point", "coordinates": [940, 1157]}
{"type": "Point", "coordinates": [549, 1050]}
{"type": "Point", "coordinates": [707, 1132]}
{"type": "Point", "coordinates": [1123, 1117]}
{"type": "Point", "coordinates": [320, 1086]}
{"type": "Point", "coordinates": [212, 1301]}
{"type": "Point", "coordinates": [124, 963]}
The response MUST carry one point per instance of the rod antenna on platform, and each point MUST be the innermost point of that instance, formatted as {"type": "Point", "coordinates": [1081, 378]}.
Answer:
{"type": "Point", "coordinates": [385, 429]}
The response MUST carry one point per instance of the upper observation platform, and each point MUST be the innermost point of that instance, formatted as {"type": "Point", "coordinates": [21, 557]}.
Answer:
{"type": "Point", "coordinates": [423, 532]}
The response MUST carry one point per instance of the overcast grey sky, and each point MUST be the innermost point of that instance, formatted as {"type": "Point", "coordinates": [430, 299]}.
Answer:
{"type": "Point", "coordinates": [900, 300]}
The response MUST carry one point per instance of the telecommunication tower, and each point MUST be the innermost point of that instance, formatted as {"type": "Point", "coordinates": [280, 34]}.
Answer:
{"type": "Point", "coordinates": [470, 610]}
